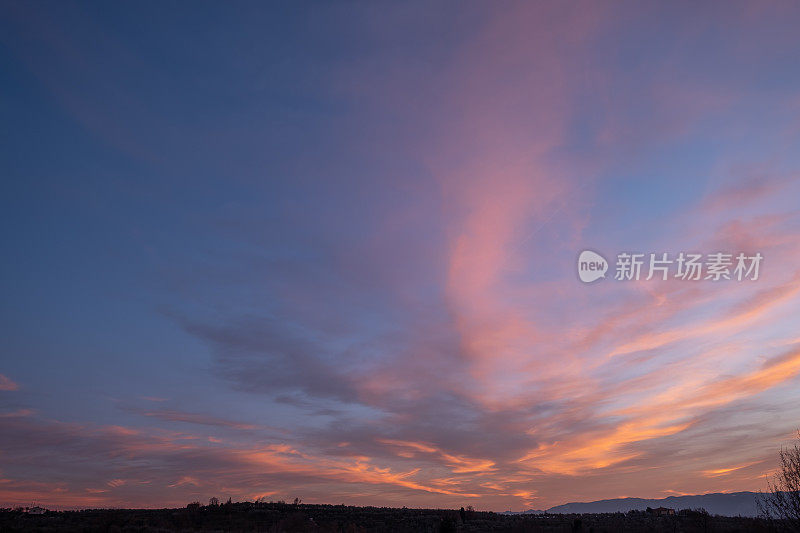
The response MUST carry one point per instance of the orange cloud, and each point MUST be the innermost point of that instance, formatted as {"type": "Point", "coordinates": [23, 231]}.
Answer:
{"type": "Point", "coordinates": [459, 463]}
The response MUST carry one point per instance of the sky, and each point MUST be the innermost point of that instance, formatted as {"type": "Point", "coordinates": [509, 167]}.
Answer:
{"type": "Point", "coordinates": [328, 251]}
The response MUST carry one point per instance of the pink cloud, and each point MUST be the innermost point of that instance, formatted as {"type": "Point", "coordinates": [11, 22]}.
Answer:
{"type": "Point", "coordinates": [6, 384]}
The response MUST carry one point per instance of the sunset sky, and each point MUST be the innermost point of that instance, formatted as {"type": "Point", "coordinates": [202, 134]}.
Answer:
{"type": "Point", "coordinates": [328, 251]}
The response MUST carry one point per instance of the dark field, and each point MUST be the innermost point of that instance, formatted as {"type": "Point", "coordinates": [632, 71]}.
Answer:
{"type": "Point", "coordinates": [278, 517]}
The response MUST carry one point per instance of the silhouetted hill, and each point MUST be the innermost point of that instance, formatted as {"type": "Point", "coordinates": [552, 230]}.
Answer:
{"type": "Point", "coordinates": [730, 504]}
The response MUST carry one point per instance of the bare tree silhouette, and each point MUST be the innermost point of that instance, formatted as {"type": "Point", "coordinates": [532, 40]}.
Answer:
{"type": "Point", "coordinates": [782, 499]}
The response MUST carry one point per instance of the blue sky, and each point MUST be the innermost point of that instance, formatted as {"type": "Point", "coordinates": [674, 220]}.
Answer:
{"type": "Point", "coordinates": [327, 251]}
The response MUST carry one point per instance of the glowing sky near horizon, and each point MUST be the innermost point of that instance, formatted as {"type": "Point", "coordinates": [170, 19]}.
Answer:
{"type": "Point", "coordinates": [328, 251]}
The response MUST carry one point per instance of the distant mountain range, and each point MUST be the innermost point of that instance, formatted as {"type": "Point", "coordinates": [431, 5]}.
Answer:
{"type": "Point", "coordinates": [726, 504]}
